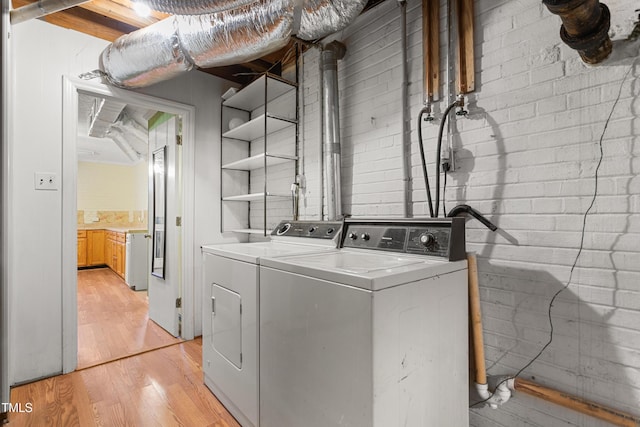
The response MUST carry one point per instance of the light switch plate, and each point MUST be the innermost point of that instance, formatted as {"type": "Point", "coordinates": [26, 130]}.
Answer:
{"type": "Point", "coordinates": [46, 181]}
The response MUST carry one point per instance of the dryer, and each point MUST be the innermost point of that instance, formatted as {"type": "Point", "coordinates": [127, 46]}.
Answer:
{"type": "Point", "coordinates": [374, 334]}
{"type": "Point", "coordinates": [231, 285]}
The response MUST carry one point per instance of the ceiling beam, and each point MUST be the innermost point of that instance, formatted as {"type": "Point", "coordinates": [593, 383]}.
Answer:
{"type": "Point", "coordinates": [85, 21]}
{"type": "Point", "coordinates": [122, 10]}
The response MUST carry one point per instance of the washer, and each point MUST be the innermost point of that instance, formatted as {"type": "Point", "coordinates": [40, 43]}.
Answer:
{"type": "Point", "coordinates": [374, 334]}
{"type": "Point", "coordinates": [230, 312]}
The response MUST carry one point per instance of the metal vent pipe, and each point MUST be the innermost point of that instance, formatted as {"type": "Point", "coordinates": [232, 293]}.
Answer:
{"type": "Point", "coordinates": [331, 125]}
{"type": "Point", "coordinates": [240, 33]}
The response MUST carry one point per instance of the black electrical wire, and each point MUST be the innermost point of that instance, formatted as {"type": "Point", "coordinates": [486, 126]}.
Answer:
{"type": "Point", "coordinates": [433, 213]}
{"type": "Point", "coordinates": [439, 156]}
{"type": "Point", "coordinates": [580, 248]}
{"type": "Point", "coordinates": [444, 194]}
{"type": "Point", "coordinates": [424, 161]}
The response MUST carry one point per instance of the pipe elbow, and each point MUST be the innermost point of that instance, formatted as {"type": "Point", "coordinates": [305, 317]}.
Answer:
{"type": "Point", "coordinates": [500, 395]}
{"type": "Point", "coordinates": [483, 391]}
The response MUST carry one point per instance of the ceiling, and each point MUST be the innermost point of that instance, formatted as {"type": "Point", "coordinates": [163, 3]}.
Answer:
{"type": "Point", "coordinates": [124, 139]}
{"type": "Point", "coordinates": [109, 19]}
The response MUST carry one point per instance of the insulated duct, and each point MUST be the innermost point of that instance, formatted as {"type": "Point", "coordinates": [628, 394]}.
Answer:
{"type": "Point", "coordinates": [331, 127]}
{"type": "Point", "coordinates": [322, 17]}
{"type": "Point", "coordinates": [237, 35]}
{"type": "Point", "coordinates": [243, 33]}
{"type": "Point", "coordinates": [194, 7]}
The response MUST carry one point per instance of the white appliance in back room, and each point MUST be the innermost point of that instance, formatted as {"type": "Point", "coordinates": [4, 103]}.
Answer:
{"type": "Point", "coordinates": [371, 335]}
{"type": "Point", "coordinates": [230, 331]}
{"type": "Point", "coordinates": [136, 272]}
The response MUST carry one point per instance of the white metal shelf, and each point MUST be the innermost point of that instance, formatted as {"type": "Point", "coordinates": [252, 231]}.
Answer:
{"type": "Point", "coordinates": [257, 161]}
{"type": "Point", "coordinates": [252, 96]}
{"type": "Point", "coordinates": [253, 197]}
{"type": "Point", "coordinates": [254, 128]}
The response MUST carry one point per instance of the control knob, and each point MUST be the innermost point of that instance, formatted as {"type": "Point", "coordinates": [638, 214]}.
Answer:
{"type": "Point", "coordinates": [353, 236]}
{"type": "Point", "coordinates": [283, 229]}
{"type": "Point", "coordinates": [312, 228]}
{"type": "Point", "coordinates": [427, 239]}
{"type": "Point", "coordinates": [365, 236]}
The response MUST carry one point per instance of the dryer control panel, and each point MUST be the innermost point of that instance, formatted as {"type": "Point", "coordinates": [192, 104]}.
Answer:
{"type": "Point", "coordinates": [441, 237]}
{"type": "Point", "coordinates": [309, 229]}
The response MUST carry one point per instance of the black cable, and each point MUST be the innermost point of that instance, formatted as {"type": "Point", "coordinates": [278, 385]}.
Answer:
{"type": "Point", "coordinates": [439, 155]}
{"type": "Point", "coordinates": [584, 228]}
{"type": "Point", "coordinates": [444, 192]}
{"type": "Point", "coordinates": [424, 161]}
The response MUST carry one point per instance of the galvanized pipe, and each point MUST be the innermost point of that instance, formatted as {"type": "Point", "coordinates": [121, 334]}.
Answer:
{"type": "Point", "coordinates": [41, 8]}
{"type": "Point", "coordinates": [585, 27]}
{"type": "Point", "coordinates": [407, 208]}
{"type": "Point", "coordinates": [331, 125]}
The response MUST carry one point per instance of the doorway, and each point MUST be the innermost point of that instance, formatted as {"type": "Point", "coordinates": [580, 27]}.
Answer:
{"type": "Point", "coordinates": [114, 142]}
{"type": "Point", "coordinates": [73, 89]}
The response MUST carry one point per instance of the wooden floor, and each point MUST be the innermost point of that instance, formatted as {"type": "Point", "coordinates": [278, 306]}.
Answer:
{"type": "Point", "coordinates": [113, 320]}
{"type": "Point", "coordinates": [159, 388]}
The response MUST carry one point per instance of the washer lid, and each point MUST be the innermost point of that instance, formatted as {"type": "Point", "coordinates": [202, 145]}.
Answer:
{"type": "Point", "coordinates": [364, 268]}
{"type": "Point", "coordinates": [253, 252]}
{"type": "Point", "coordinates": [358, 263]}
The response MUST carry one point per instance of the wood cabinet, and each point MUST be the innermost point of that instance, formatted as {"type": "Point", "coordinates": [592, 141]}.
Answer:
{"type": "Point", "coordinates": [95, 247]}
{"type": "Point", "coordinates": [100, 247]}
{"type": "Point", "coordinates": [115, 251]}
{"type": "Point", "coordinates": [82, 248]}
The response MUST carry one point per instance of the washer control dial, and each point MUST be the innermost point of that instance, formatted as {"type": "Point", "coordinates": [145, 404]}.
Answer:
{"type": "Point", "coordinates": [353, 236]}
{"type": "Point", "coordinates": [427, 239]}
{"type": "Point", "coordinates": [365, 236]}
{"type": "Point", "coordinates": [282, 230]}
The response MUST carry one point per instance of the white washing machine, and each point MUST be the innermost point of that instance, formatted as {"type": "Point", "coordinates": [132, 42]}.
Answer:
{"type": "Point", "coordinates": [374, 334]}
{"type": "Point", "coordinates": [230, 335]}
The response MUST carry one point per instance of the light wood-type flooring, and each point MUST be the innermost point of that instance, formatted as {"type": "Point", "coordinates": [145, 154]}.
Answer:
{"type": "Point", "coordinates": [113, 320]}
{"type": "Point", "coordinates": [130, 371]}
{"type": "Point", "coordinates": [162, 387]}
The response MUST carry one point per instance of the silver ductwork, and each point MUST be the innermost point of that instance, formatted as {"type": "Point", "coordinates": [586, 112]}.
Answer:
{"type": "Point", "coordinates": [243, 33]}
{"type": "Point", "coordinates": [145, 57]}
{"type": "Point", "coordinates": [195, 7]}
{"type": "Point", "coordinates": [237, 35]}
{"type": "Point", "coordinates": [322, 17]}
{"type": "Point", "coordinates": [331, 128]}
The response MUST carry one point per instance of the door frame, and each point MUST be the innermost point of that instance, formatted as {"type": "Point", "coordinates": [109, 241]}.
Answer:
{"type": "Point", "coordinates": [72, 87]}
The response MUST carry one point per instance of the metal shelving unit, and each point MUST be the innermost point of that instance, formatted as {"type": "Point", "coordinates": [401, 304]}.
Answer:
{"type": "Point", "coordinates": [252, 105]}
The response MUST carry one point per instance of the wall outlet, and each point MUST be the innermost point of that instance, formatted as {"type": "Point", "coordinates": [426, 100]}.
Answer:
{"type": "Point", "coordinates": [46, 181]}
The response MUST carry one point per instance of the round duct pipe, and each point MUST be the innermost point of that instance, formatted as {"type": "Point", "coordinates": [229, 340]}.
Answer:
{"type": "Point", "coordinates": [331, 125]}
{"type": "Point", "coordinates": [194, 7]}
{"type": "Point", "coordinates": [243, 33]}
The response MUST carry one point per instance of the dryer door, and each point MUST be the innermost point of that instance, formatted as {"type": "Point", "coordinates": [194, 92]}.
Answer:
{"type": "Point", "coordinates": [226, 327]}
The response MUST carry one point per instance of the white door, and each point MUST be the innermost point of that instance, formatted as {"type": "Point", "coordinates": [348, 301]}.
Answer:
{"type": "Point", "coordinates": [165, 210]}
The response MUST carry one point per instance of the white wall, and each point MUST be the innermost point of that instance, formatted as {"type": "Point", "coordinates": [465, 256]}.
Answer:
{"type": "Point", "coordinates": [4, 137]}
{"type": "Point", "coordinates": [43, 53]}
{"type": "Point", "coordinates": [526, 157]}
{"type": "Point", "coordinates": [105, 186]}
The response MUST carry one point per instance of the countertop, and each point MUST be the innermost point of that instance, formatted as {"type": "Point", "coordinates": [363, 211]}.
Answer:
{"type": "Point", "coordinates": [118, 229]}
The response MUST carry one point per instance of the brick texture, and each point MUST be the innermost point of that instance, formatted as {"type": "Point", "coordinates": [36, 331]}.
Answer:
{"type": "Point", "coordinates": [525, 156]}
